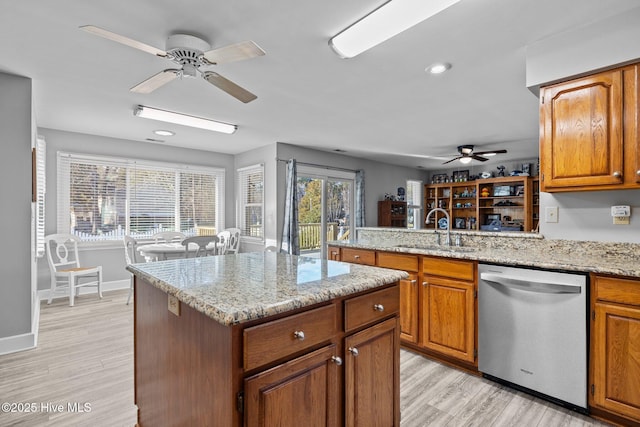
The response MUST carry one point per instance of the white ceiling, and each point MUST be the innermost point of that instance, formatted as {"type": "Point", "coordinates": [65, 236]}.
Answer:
{"type": "Point", "coordinates": [380, 105]}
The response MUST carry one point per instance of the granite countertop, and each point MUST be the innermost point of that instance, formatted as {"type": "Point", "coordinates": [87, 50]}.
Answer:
{"type": "Point", "coordinates": [519, 250]}
{"type": "Point", "coordinates": [233, 289]}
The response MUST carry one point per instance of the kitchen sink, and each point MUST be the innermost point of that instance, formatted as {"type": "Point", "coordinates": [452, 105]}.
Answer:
{"type": "Point", "coordinates": [442, 248]}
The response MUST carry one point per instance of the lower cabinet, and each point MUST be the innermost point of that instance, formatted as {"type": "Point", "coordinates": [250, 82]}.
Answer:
{"type": "Point", "coordinates": [353, 380]}
{"type": "Point", "coordinates": [615, 341]}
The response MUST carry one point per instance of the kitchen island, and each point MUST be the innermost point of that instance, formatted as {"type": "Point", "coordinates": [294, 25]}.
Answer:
{"type": "Point", "coordinates": [265, 339]}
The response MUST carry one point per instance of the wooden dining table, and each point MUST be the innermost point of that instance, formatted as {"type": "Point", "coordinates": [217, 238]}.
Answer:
{"type": "Point", "coordinates": [164, 251]}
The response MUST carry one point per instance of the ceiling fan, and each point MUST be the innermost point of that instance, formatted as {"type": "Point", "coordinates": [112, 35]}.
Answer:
{"type": "Point", "coordinates": [467, 154]}
{"type": "Point", "coordinates": [191, 54]}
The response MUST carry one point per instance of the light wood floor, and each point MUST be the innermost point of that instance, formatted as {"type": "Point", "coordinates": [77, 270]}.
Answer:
{"type": "Point", "coordinates": [85, 355]}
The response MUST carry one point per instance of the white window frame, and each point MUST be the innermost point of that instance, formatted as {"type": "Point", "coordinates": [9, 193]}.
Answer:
{"type": "Point", "coordinates": [63, 187]}
{"type": "Point", "coordinates": [41, 188]}
{"type": "Point", "coordinates": [241, 175]}
{"type": "Point", "coordinates": [417, 208]}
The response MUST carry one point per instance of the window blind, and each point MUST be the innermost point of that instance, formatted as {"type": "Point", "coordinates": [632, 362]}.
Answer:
{"type": "Point", "coordinates": [250, 185]}
{"type": "Point", "coordinates": [105, 198]}
{"type": "Point", "coordinates": [41, 186]}
{"type": "Point", "coordinates": [414, 203]}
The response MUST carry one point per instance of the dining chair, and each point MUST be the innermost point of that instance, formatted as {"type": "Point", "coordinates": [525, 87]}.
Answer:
{"type": "Point", "coordinates": [131, 257]}
{"type": "Point", "coordinates": [65, 268]}
{"type": "Point", "coordinates": [202, 242]}
{"type": "Point", "coordinates": [225, 239]}
{"type": "Point", "coordinates": [169, 236]}
{"type": "Point", "coordinates": [271, 249]}
{"type": "Point", "coordinates": [234, 241]}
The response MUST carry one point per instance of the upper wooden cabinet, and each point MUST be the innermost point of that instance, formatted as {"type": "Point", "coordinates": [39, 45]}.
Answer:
{"type": "Point", "coordinates": [392, 213]}
{"type": "Point", "coordinates": [589, 133]}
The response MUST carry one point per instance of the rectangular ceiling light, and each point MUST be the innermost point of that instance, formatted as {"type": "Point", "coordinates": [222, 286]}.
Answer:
{"type": "Point", "coordinates": [390, 19]}
{"type": "Point", "coordinates": [183, 119]}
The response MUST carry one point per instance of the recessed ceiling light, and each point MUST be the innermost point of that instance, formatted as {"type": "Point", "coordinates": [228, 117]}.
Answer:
{"type": "Point", "coordinates": [162, 132]}
{"type": "Point", "coordinates": [438, 68]}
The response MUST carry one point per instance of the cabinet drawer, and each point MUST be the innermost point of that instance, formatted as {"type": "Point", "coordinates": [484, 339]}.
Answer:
{"type": "Point", "coordinates": [623, 291]}
{"type": "Point", "coordinates": [455, 269]}
{"type": "Point", "coordinates": [279, 338]}
{"type": "Point", "coordinates": [369, 308]}
{"type": "Point", "coordinates": [359, 256]}
{"type": "Point", "coordinates": [398, 261]}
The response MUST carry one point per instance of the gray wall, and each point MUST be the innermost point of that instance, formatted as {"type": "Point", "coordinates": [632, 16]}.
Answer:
{"type": "Point", "coordinates": [111, 257]}
{"type": "Point", "coordinates": [16, 135]}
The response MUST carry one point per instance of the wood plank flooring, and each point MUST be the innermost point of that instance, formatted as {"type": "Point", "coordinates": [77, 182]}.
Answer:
{"type": "Point", "coordinates": [85, 355]}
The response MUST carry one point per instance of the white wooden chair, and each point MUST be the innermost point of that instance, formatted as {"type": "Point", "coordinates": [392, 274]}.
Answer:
{"type": "Point", "coordinates": [65, 268]}
{"type": "Point", "coordinates": [169, 236]}
{"type": "Point", "coordinates": [234, 240]}
{"type": "Point", "coordinates": [225, 239]}
{"type": "Point", "coordinates": [271, 249]}
{"type": "Point", "coordinates": [202, 242]}
{"type": "Point", "coordinates": [131, 257]}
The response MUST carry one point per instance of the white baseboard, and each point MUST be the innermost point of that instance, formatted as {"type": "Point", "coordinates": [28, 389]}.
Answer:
{"type": "Point", "coordinates": [26, 341]}
{"type": "Point", "coordinates": [43, 294]}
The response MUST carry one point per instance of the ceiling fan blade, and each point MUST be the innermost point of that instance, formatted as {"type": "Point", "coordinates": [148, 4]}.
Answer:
{"type": "Point", "coordinates": [123, 40]}
{"type": "Point", "coordinates": [453, 160]}
{"type": "Point", "coordinates": [155, 81]}
{"type": "Point", "coordinates": [479, 158]}
{"type": "Point", "coordinates": [228, 86]}
{"type": "Point", "coordinates": [491, 152]}
{"type": "Point", "coordinates": [234, 52]}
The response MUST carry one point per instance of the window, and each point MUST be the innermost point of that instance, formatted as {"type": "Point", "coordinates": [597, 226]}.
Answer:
{"type": "Point", "coordinates": [414, 204]}
{"type": "Point", "coordinates": [105, 198]}
{"type": "Point", "coordinates": [251, 201]}
{"type": "Point", "coordinates": [40, 193]}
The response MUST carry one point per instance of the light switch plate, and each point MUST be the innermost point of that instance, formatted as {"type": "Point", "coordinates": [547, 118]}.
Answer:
{"type": "Point", "coordinates": [551, 214]}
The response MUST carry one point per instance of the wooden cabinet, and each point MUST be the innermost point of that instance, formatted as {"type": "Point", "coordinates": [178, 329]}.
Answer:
{"type": "Point", "coordinates": [372, 400]}
{"type": "Point", "coordinates": [358, 256]}
{"type": "Point", "coordinates": [615, 346]}
{"type": "Point", "coordinates": [408, 291]}
{"type": "Point", "coordinates": [333, 364]}
{"type": "Point", "coordinates": [392, 213]}
{"type": "Point", "coordinates": [333, 253]}
{"type": "Point", "coordinates": [589, 132]}
{"type": "Point", "coordinates": [473, 205]}
{"type": "Point", "coordinates": [448, 308]}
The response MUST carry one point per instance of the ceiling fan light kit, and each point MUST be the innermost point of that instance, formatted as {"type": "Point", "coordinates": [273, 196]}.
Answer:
{"type": "Point", "coordinates": [388, 20]}
{"type": "Point", "coordinates": [192, 54]}
{"type": "Point", "coordinates": [467, 154]}
{"type": "Point", "coordinates": [183, 119]}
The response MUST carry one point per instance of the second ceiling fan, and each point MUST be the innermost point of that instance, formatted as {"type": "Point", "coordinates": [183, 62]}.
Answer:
{"type": "Point", "coordinates": [467, 154]}
{"type": "Point", "coordinates": [191, 54]}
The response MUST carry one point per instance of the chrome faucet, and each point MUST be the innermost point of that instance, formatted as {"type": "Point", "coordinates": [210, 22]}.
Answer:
{"type": "Point", "coordinates": [448, 241]}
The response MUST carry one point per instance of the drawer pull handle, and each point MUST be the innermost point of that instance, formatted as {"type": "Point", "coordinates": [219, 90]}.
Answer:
{"type": "Point", "coordinates": [299, 335]}
{"type": "Point", "coordinates": [356, 256]}
{"type": "Point", "coordinates": [378, 307]}
{"type": "Point", "coordinates": [617, 174]}
{"type": "Point", "coordinates": [354, 351]}
{"type": "Point", "coordinates": [425, 283]}
{"type": "Point", "coordinates": [638, 172]}
{"type": "Point", "coordinates": [337, 360]}
{"type": "Point", "coordinates": [414, 281]}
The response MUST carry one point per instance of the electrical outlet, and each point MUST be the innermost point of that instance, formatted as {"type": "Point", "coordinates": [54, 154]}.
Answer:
{"type": "Point", "coordinates": [551, 214]}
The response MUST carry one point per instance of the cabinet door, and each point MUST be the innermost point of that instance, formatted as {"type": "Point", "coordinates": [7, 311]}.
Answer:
{"type": "Point", "coordinates": [304, 391]}
{"type": "Point", "coordinates": [409, 308]}
{"type": "Point", "coordinates": [372, 376]}
{"type": "Point", "coordinates": [581, 141]}
{"type": "Point", "coordinates": [616, 359]}
{"type": "Point", "coordinates": [448, 317]}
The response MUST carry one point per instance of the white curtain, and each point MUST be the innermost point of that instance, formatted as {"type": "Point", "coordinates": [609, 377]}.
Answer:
{"type": "Point", "coordinates": [290, 244]}
{"type": "Point", "coordinates": [360, 217]}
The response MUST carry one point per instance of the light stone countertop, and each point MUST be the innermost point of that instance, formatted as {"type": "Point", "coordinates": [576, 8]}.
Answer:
{"type": "Point", "coordinates": [525, 249]}
{"type": "Point", "coordinates": [233, 289]}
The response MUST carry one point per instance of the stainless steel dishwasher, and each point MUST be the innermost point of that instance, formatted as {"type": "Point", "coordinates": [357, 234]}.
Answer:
{"type": "Point", "coordinates": [532, 331]}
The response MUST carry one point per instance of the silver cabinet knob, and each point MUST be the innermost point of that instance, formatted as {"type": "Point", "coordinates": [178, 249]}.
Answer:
{"type": "Point", "coordinates": [356, 256]}
{"type": "Point", "coordinates": [378, 307]}
{"type": "Point", "coordinates": [299, 335]}
{"type": "Point", "coordinates": [425, 283]}
{"type": "Point", "coordinates": [617, 174]}
{"type": "Point", "coordinates": [638, 172]}
{"type": "Point", "coordinates": [354, 351]}
{"type": "Point", "coordinates": [337, 360]}
{"type": "Point", "coordinates": [414, 281]}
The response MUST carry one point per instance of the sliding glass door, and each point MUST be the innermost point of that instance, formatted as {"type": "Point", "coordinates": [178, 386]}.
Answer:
{"type": "Point", "coordinates": [325, 208]}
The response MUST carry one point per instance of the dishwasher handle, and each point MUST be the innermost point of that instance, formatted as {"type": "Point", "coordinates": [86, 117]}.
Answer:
{"type": "Point", "coordinates": [529, 285]}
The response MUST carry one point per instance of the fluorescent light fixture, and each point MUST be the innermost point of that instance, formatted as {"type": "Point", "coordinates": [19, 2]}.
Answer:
{"type": "Point", "coordinates": [163, 132]}
{"type": "Point", "coordinates": [465, 160]}
{"type": "Point", "coordinates": [438, 68]}
{"type": "Point", "coordinates": [183, 119]}
{"type": "Point", "coordinates": [388, 20]}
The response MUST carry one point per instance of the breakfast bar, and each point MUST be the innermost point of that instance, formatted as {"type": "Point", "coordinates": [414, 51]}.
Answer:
{"type": "Point", "coordinates": [230, 340]}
